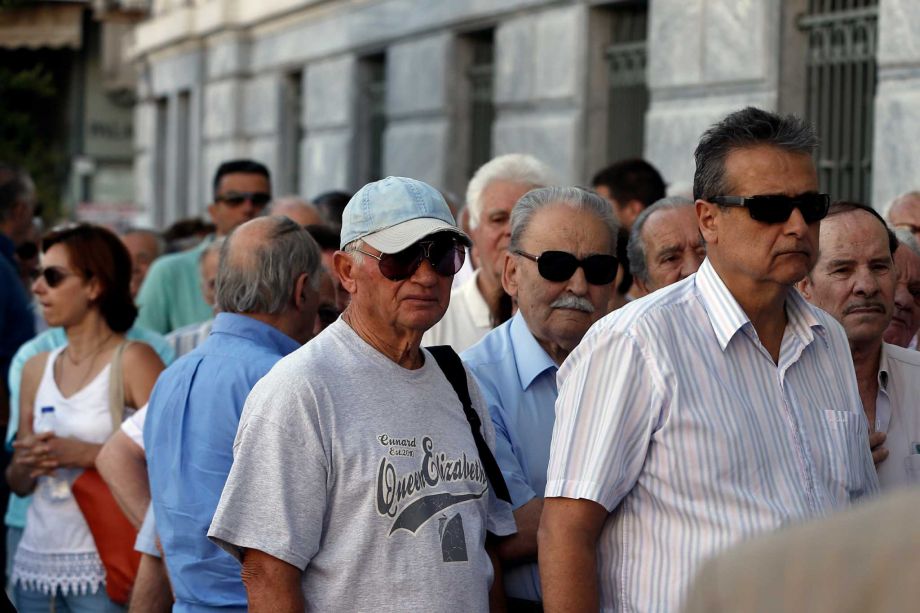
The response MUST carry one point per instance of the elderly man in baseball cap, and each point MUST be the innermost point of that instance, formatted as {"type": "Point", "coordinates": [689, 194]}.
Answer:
{"type": "Point", "coordinates": [363, 472]}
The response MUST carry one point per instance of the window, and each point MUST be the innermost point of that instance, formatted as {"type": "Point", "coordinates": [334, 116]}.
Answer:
{"type": "Point", "coordinates": [159, 161]}
{"type": "Point", "coordinates": [183, 146]}
{"type": "Point", "coordinates": [372, 119]}
{"type": "Point", "coordinates": [840, 92]}
{"type": "Point", "coordinates": [292, 134]}
{"type": "Point", "coordinates": [627, 98]}
{"type": "Point", "coordinates": [481, 79]}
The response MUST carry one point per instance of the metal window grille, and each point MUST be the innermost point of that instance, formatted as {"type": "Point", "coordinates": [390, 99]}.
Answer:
{"type": "Point", "coordinates": [840, 92]}
{"type": "Point", "coordinates": [628, 91]}
{"type": "Point", "coordinates": [481, 75]}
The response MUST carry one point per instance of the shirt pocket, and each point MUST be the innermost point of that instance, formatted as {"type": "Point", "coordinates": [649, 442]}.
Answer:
{"type": "Point", "coordinates": [846, 448]}
{"type": "Point", "coordinates": [912, 464]}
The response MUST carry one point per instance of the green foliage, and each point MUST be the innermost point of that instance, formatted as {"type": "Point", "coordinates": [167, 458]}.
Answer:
{"type": "Point", "coordinates": [29, 106]}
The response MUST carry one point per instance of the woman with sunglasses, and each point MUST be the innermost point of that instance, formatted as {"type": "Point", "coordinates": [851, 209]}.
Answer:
{"type": "Point", "coordinates": [65, 417]}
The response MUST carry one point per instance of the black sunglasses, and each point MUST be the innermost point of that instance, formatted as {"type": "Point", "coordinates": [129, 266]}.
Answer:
{"type": "Point", "coordinates": [776, 208]}
{"type": "Point", "coordinates": [235, 199]}
{"type": "Point", "coordinates": [53, 275]}
{"type": "Point", "coordinates": [559, 266]}
{"type": "Point", "coordinates": [446, 256]}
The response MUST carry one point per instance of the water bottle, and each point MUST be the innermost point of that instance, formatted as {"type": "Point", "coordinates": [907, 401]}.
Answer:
{"type": "Point", "coordinates": [57, 485]}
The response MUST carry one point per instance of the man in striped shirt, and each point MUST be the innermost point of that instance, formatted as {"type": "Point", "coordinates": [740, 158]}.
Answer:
{"type": "Point", "coordinates": [721, 407]}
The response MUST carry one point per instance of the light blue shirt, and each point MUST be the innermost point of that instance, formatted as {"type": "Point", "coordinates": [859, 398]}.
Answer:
{"type": "Point", "coordinates": [674, 417]}
{"type": "Point", "coordinates": [518, 381]}
{"type": "Point", "coordinates": [170, 296]}
{"type": "Point", "coordinates": [48, 341]}
{"type": "Point", "coordinates": [192, 419]}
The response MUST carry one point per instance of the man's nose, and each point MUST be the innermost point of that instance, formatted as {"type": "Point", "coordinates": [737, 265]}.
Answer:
{"type": "Point", "coordinates": [577, 283]}
{"type": "Point", "coordinates": [865, 283]}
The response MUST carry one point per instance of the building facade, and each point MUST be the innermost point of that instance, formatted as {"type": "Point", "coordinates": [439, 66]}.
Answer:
{"type": "Point", "coordinates": [331, 94]}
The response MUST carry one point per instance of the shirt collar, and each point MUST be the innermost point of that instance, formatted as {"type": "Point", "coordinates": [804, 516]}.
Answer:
{"type": "Point", "coordinates": [254, 330]}
{"type": "Point", "coordinates": [884, 369]}
{"type": "Point", "coordinates": [476, 303]}
{"type": "Point", "coordinates": [529, 357]}
{"type": "Point", "coordinates": [727, 316]}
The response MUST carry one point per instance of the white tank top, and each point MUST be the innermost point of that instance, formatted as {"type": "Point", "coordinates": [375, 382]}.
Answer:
{"type": "Point", "coordinates": [57, 548]}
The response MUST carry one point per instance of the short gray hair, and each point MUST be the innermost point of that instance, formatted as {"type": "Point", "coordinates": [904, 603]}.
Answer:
{"type": "Point", "coordinates": [575, 197]}
{"type": "Point", "coordinates": [15, 186]}
{"type": "Point", "coordinates": [215, 245]}
{"type": "Point", "coordinates": [635, 250]}
{"type": "Point", "coordinates": [749, 127]}
{"type": "Point", "coordinates": [157, 237]}
{"type": "Point", "coordinates": [262, 280]}
{"type": "Point", "coordinates": [906, 238]}
{"type": "Point", "coordinates": [513, 167]}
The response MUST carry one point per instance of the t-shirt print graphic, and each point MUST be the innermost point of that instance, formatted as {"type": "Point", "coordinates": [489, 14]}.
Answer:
{"type": "Point", "coordinates": [413, 498]}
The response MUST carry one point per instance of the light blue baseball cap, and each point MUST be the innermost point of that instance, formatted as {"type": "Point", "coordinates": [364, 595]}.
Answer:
{"type": "Point", "coordinates": [393, 213]}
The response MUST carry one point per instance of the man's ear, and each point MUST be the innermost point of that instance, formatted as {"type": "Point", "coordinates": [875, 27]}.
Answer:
{"type": "Point", "coordinates": [301, 289]}
{"type": "Point", "coordinates": [345, 267]}
{"type": "Point", "coordinates": [708, 215]}
{"type": "Point", "coordinates": [641, 286]}
{"type": "Point", "coordinates": [509, 274]}
{"type": "Point", "coordinates": [805, 287]}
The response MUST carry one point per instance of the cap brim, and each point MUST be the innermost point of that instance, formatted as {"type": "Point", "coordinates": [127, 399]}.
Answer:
{"type": "Point", "coordinates": [398, 237]}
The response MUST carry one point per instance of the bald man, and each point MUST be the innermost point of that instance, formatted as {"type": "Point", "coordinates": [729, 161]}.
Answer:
{"type": "Point", "coordinates": [299, 210]}
{"type": "Point", "coordinates": [904, 212]}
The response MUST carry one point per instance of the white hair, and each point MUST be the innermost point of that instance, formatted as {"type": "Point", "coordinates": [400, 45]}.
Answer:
{"type": "Point", "coordinates": [514, 168]}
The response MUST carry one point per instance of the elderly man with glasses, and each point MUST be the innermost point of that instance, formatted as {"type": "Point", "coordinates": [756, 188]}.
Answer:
{"type": "Point", "coordinates": [715, 409]}
{"type": "Point", "coordinates": [560, 272]}
{"type": "Point", "coordinates": [363, 477]}
{"type": "Point", "coordinates": [171, 295]}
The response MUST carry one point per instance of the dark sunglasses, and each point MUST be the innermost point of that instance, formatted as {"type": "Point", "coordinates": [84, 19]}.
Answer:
{"type": "Point", "coordinates": [53, 276]}
{"type": "Point", "coordinates": [559, 266]}
{"type": "Point", "coordinates": [777, 208]}
{"type": "Point", "coordinates": [235, 199]}
{"type": "Point", "coordinates": [445, 255]}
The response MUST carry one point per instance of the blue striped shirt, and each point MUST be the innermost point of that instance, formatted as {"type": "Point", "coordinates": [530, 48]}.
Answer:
{"type": "Point", "coordinates": [674, 417]}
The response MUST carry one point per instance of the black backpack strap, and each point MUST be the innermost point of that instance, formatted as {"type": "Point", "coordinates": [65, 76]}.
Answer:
{"type": "Point", "coordinates": [453, 369]}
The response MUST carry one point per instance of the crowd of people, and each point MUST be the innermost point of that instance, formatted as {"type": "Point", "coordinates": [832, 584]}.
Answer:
{"type": "Point", "coordinates": [575, 399]}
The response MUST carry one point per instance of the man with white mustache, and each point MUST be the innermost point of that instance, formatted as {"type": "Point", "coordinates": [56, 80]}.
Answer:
{"type": "Point", "coordinates": [854, 280]}
{"type": "Point", "coordinates": [560, 271]}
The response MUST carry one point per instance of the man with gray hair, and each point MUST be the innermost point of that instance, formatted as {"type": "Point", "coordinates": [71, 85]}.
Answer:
{"type": "Point", "coordinates": [267, 296]}
{"type": "Point", "coordinates": [904, 212]}
{"type": "Point", "coordinates": [718, 408]}
{"type": "Point", "coordinates": [665, 244]}
{"type": "Point", "coordinates": [480, 303]}
{"type": "Point", "coordinates": [362, 476]}
{"type": "Point", "coordinates": [902, 331]}
{"type": "Point", "coordinates": [561, 273]}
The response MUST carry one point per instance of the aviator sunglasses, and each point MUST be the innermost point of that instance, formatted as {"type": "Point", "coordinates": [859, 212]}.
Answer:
{"type": "Point", "coordinates": [776, 208]}
{"type": "Point", "coordinates": [445, 255]}
{"type": "Point", "coordinates": [235, 199]}
{"type": "Point", "coordinates": [559, 266]}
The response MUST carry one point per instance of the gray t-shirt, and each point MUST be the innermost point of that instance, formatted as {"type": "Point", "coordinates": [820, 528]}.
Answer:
{"type": "Point", "coordinates": [365, 475]}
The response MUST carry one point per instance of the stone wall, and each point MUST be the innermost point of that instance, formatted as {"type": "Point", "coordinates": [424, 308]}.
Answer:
{"type": "Point", "coordinates": [706, 58]}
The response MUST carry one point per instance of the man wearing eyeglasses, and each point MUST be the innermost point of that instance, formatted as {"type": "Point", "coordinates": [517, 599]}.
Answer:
{"type": "Point", "coordinates": [360, 479]}
{"type": "Point", "coordinates": [715, 409]}
{"type": "Point", "coordinates": [560, 272]}
{"type": "Point", "coordinates": [171, 296]}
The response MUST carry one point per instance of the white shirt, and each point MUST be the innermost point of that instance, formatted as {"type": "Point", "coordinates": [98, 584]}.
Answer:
{"type": "Point", "coordinates": [674, 417]}
{"type": "Point", "coordinates": [466, 321]}
{"type": "Point", "coordinates": [897, 413]}
{"type": "Point", "coordinates": [133, 427]}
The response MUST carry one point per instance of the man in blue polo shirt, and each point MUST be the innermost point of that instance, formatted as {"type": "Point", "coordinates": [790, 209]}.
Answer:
{"type": "Point", "coordinates": [267, 294]}
{"type": "Point", "coordinates": [560, 272]}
